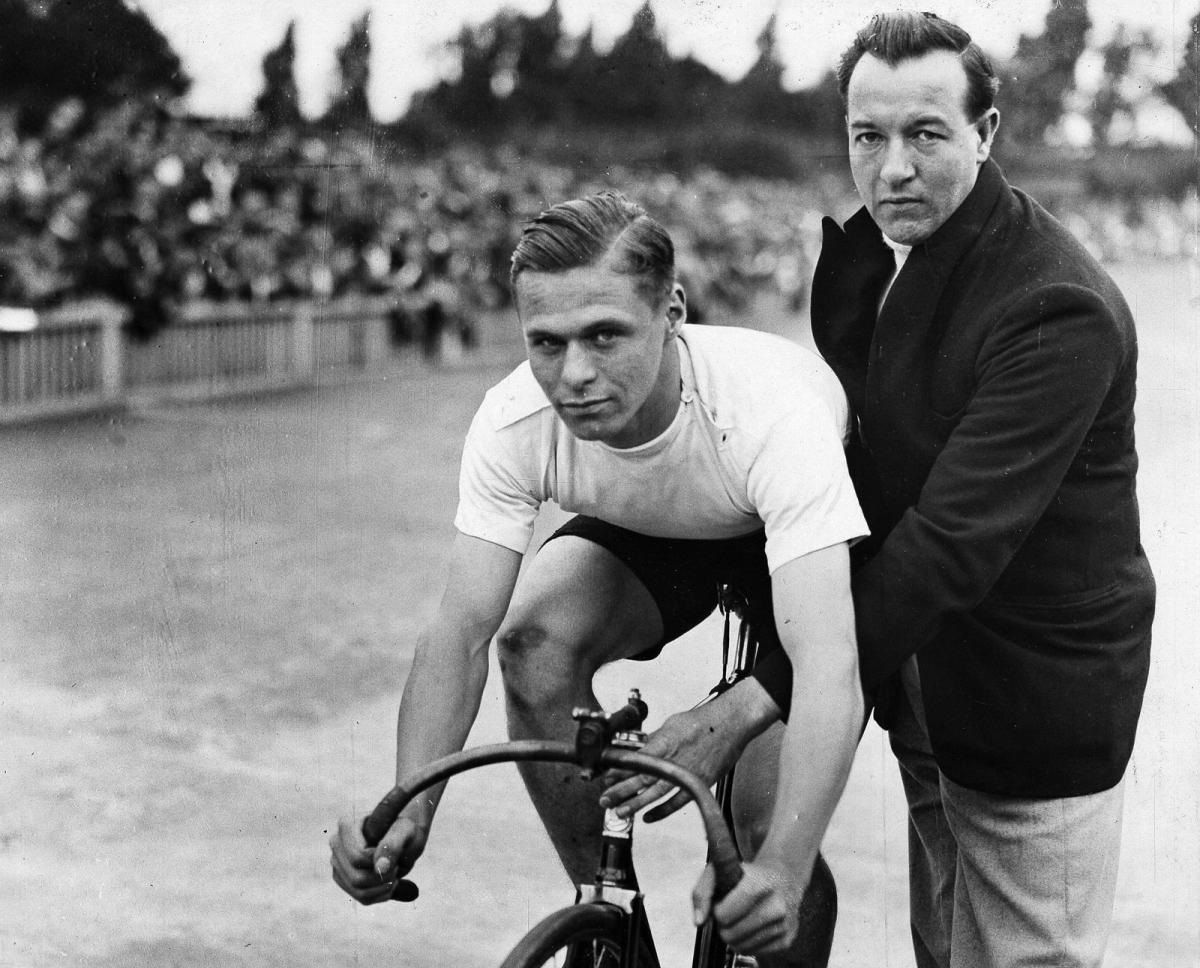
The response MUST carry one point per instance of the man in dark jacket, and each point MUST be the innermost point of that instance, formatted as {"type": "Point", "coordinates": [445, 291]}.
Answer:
{"type": "Point", "coordinates": [1004, 602]}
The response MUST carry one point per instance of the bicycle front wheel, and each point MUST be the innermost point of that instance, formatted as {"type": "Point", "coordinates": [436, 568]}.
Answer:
{"type": "Point", "coordinates": [581, 936]}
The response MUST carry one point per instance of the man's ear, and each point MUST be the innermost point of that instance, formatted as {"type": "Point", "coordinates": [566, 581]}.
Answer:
{"type": "Point", "coordinates": [987, 126]}
{"type": "Point", "coordinates": [676, 310]}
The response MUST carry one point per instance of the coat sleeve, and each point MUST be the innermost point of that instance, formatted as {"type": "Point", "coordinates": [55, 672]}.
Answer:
{"type": "Point", "coordinates": [1041, 378]}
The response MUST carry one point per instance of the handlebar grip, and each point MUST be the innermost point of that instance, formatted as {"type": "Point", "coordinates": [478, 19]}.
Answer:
{"type": "Point", "coordinates": [405, 890]}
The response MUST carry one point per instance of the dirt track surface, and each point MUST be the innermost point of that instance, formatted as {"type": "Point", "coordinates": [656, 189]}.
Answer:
{"type": "Point", "coordinates": [206, 617]}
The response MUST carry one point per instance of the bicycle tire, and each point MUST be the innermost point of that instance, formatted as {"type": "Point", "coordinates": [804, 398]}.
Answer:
{"type": "Point", "coordinates": [580, 936]}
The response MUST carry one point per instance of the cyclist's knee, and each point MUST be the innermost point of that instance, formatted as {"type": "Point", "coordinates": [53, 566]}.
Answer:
{"type": "Point", "coordinates": [518, 646]}
{"type": "Point", "coordinates": [534, 664]}
{"type": "Point", "coordinates": [516, 643]}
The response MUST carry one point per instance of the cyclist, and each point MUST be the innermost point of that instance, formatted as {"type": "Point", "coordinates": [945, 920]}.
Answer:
{"type": "Point", "coordinates": [686, 464]}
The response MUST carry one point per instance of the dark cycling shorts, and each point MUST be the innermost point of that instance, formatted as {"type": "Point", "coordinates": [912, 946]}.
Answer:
{"type": "Point", "coordinates": [683, 576]}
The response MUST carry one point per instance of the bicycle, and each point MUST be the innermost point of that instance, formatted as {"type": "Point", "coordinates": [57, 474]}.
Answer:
{"type": "Point", "coordinates": [607, 926]}
{"type": "Point", "coordinates": [609, 918]}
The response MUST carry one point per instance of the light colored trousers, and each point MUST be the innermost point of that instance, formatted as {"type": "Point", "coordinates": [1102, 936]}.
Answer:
{"type": "Point", "coordinates": [1002, 882]}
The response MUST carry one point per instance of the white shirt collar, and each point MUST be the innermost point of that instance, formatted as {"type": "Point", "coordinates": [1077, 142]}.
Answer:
{"type": "Point", "coordinates": [899, 250]}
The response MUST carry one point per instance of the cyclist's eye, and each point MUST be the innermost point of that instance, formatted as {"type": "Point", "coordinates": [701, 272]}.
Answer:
{"type": "Point", "coordinates": [604, 337]}
{"type": "Point", "coordinates": [867, 139]}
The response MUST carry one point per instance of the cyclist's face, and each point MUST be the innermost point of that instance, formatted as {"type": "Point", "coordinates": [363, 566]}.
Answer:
{"type": "Point", "coordinates": [604, 356]}
{"type": "Point", "coordinates": [914, 153]}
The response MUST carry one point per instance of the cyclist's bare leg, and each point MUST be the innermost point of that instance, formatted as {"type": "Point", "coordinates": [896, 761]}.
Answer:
{"type": "Point", "coordinates": [753, 799]}
{"type": "Point", "coordinates": [576, 608]}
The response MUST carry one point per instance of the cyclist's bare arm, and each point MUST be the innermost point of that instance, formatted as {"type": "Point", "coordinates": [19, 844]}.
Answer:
{"type": "Point", "coordinates": [441, 699]}
{"type": "Point", "coordinates": [814, 615]}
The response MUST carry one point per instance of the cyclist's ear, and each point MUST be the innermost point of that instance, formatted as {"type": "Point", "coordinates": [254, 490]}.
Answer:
{"type": "Point", "coordinates": [676, 310]}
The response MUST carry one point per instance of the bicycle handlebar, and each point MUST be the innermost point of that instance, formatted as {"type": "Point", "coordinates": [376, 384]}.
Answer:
{"type": "Point", "coordinates": [723, 854]}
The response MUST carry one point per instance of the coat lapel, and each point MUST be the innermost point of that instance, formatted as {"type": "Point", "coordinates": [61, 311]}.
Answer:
{"type": "Point", "coordinates": [906, 341]}
{"type": "Point", "coordinates": [897, 377]}
{"type": "Point", "coordinates": [851, 272]}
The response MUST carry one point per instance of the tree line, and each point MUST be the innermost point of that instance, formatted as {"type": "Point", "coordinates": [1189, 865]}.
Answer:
{"type": "Point", "coordinates": [518, 72]}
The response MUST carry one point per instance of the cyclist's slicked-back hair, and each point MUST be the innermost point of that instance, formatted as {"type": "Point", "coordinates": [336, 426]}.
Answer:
{"type": "Point", "coordinates": [606, 227]}
{"type": "Point", "coordinates": [905, 34]}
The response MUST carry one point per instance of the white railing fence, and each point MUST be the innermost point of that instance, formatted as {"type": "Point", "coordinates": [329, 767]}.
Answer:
{"type": "Point", "coordinates": [83, 359]}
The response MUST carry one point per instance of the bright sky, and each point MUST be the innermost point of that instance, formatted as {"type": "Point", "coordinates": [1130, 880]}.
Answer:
{"type": "Point", "coordinates": [222, 42]}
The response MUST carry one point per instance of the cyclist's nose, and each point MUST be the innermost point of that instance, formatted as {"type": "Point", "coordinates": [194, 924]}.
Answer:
{"type": "Point", "coordinates": [578, 369]}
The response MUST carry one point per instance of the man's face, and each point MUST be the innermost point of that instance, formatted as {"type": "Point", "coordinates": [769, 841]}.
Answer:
{"type": "Point", "coordinates": [914, 153]}
{"type": "Point", "coordinates": [599, 351]}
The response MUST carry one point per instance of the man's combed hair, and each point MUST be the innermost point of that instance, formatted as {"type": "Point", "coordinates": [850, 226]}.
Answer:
{"type": "Point", "coordinates": [603, 228]}
{"type": "Point", "coordinates": [905, 34]}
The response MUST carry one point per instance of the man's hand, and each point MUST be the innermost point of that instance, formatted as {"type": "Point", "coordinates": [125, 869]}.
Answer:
{"type": "Point", "coordinates": [441, 697]}
{"type": "Point", "coordinates": [706, 740]}
{"type": "Point", "coordinates": [761, 915]}
{"type": "Point", "coordinates": [369, 875]}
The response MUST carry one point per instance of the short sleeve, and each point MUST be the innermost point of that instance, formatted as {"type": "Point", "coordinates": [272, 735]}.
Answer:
{"type": "Point", "coordinates": [801, 488]}
{"type": "Point", "coordinates": [496, 499]}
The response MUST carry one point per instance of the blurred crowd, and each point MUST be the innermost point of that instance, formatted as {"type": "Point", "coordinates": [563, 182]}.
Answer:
{"type": "Point", "coordinates": [157, 211]}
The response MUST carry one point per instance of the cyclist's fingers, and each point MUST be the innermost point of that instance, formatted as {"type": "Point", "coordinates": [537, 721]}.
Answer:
{"type": "Point", "coordinates": [753, 929]}
{"type": "Point", "coordinates": [648, 795]}
{"type": "Point", "coordinates": [681, 799]}
{"type": "Point", "coordinates": [347, 835]}
{"type": "Point", "coordinates": [744, 904]}
{"type": "Point", "coordinates": [351, 876]}
{"type": "Point", "coordinates": [758, 940]}
{"type": "Point", "coordinates": [347, 844]}
{"type": "Point", "coordinates": [399, 849]}
{"type": "Point", "coordinates": [702, 895]}
{"type": "Point", "coordinates": [392, 862]}
{"type": "Point", "coordinates": [620, 786]}
{"type": "Point", "coordinates": [363, 892]}
{"type": "Point", "coordinates": [760, 926]}
{"type": "Point", "coordinates": [624, 793]}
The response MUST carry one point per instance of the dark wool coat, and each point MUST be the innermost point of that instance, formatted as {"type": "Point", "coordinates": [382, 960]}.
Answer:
{"type": "Point", "coordinates": [995, 461]}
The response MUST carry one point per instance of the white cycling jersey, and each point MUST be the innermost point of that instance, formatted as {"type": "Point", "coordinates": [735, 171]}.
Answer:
{"type": "Point", "coordinates": [757, 443]}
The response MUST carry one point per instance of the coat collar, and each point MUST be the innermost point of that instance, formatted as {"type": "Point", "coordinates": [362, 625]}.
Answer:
{"type": "Point", "coordinates": [855, 265]}
{"type": "Point", "coordinates": [963, 228]}
{"type": "Point", "coordinates": [852, 270]}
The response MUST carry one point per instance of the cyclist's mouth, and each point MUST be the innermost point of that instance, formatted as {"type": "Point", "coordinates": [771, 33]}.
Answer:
{"type": "Point", "coordinates": [582, 408]}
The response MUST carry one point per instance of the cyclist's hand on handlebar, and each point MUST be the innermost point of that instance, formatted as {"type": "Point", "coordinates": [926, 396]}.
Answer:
{"type": "Point", "coordinates": [760, 916]}
{"type": "Point", "coordinates": [701, 740]}
{"type": "Point", "coordinates": [369, 875]}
